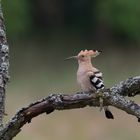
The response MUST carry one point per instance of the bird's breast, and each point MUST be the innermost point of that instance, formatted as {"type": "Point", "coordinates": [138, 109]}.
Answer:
{"type": "Point", "coordinates": [84, 82]}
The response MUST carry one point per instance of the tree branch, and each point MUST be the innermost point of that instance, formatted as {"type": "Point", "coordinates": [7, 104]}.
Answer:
{"type": "Point", "coordinates": [112, 97]}
{"type": "Point", "coordinates": [4, 65]}
{"type": "Point", "coordinates": [129, 87]}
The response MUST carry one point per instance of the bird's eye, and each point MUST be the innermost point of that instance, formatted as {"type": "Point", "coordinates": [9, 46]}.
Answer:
{"type": "Point", "coordinates": [82, 55]}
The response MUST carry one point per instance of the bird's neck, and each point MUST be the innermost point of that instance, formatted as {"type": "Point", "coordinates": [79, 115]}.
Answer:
{"type": "Point", "coordinates": [85, 65]}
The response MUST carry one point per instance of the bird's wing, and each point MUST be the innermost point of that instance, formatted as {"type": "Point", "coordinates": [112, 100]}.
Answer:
{"type": "Point", "coordinates": [96, 80]}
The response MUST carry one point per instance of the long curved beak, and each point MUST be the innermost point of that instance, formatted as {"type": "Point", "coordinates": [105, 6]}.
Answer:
{"type": "Point", "coordinates": [72, 57]}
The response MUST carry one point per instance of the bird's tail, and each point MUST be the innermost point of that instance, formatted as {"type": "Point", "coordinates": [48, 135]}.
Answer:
{"type": "Point", "coordinates": [108, 113]}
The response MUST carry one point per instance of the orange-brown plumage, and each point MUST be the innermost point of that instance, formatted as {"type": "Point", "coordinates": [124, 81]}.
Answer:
{"type": "Point", "coordinates": [86, 69]}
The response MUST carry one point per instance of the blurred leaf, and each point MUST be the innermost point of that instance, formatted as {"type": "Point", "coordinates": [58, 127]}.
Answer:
{"type": "Point", "coordinates": [17, 16]}
{"type": "Point", "coordinates": [123, 16]}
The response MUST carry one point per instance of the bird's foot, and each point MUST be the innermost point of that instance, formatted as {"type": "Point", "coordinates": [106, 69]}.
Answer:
{"type": "Point", "coordinates": [101, 98]}
{"type": "Point", "coordinates": [101, 103]}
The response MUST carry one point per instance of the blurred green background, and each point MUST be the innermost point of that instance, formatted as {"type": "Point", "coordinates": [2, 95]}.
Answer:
{"type": "Point", "coordinates": [42, 33]}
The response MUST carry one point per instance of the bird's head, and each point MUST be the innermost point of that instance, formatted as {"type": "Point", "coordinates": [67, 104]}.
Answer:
{"type": "Point", "coordinates": [86, 55]}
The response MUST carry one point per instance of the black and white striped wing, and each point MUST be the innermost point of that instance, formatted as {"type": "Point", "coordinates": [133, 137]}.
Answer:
{"type": "Point", "coordinates": [96, 80]}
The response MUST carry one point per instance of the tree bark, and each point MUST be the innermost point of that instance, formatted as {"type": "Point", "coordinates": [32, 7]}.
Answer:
{"type": "Point", "coordinates": [4, 65]}
{"type": "Point", "coordinates": [113, 97]}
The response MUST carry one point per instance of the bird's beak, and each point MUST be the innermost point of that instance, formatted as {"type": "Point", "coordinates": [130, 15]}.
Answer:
{"type": "Point", "coordinates": [72, 57]}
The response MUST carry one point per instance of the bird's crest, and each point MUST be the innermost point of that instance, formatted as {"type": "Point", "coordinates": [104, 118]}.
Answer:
{"type": "Point", "coordinates": [92, 53]}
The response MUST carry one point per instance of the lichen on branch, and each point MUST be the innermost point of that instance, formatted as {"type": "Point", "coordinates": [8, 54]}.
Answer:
{"type": "Point", "coordinates": [113, 97]}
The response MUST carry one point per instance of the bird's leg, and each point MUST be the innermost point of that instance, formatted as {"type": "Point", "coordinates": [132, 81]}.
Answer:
{"type": "Point", "coordinates": [101, 97]}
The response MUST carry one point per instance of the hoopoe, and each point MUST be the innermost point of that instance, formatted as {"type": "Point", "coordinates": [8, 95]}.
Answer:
{"type": "Point", "coordinates": [88, 77]}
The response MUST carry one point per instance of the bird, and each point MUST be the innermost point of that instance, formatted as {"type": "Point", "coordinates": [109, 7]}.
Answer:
{"type": "Point", "coordinates": [90, 78]}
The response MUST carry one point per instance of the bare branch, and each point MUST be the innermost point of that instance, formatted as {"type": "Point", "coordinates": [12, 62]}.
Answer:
{"type": "Point", "coordinates": [129, 87]}
{"type": "Point", "coordinates": [4, 65]}
{"type": "Point", "coordinates": [78, 100]}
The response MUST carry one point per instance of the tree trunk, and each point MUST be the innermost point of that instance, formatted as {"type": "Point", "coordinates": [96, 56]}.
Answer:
{"type": "Point", "coordinates": [4, 65]}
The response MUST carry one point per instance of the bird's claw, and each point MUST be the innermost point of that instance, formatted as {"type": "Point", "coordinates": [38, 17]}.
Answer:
{"type": "Point", "coordinates": [101, 96]}
{"type": "Point", "coordinates": [101, 103]}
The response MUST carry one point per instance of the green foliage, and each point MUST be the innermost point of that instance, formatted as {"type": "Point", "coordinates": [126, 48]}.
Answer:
{"type": "Point", "coordinates": [17, 16]}
{"type": "Point", "coordinates": [123, 16]}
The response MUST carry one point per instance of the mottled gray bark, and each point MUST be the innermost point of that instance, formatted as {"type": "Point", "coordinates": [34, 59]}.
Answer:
{"type": "Point", "coordinates": [113, 97]}
{"type": "Point", "coordinates": [4, 65]}
{"type": "Point", "coordinates": [130, 87]}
